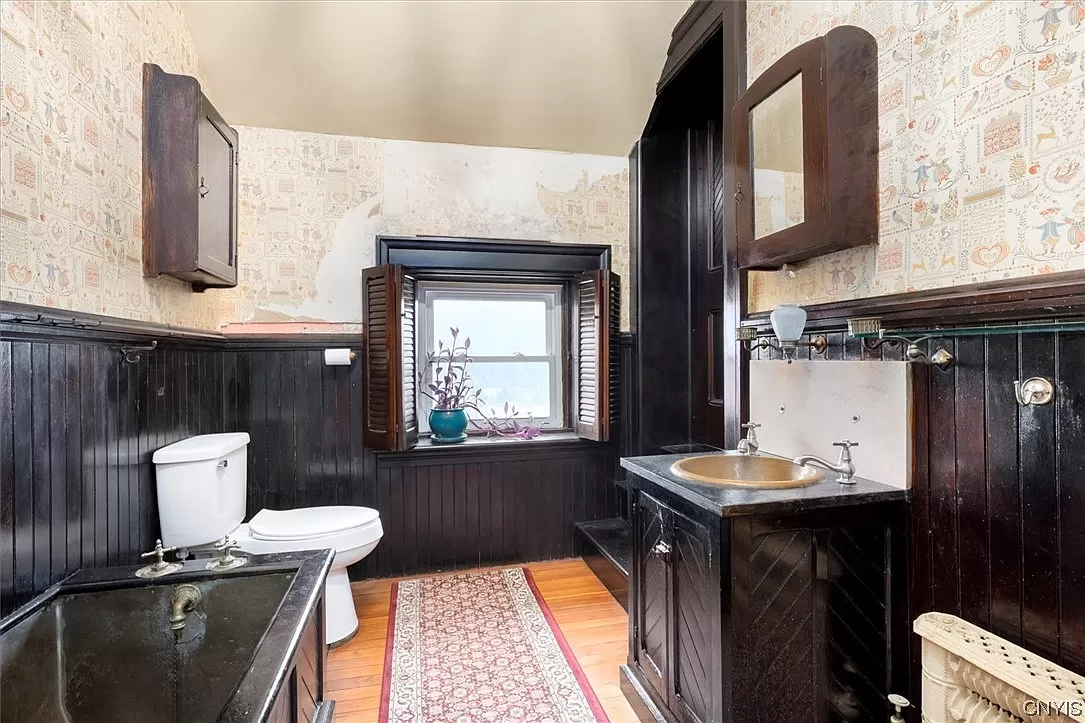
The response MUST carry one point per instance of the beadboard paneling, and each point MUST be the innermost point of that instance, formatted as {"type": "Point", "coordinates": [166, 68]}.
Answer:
{"type": "Point", "coordinates": [998, 489]}
{"type": "Point", "coordinates": [78, 428]}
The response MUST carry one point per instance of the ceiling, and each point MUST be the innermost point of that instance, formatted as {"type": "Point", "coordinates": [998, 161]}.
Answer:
{"type": "Point", "coordinates": [573, 76]}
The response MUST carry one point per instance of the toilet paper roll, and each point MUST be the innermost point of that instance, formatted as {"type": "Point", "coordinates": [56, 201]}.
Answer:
{"type": "Point", "coordinates": [338, 357]}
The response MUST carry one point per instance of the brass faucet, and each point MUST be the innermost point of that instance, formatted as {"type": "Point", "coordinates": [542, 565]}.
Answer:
{"type": "Point", "coordinates": [843, 467]}
{"type": "Point", "coordinates": [185, 599]}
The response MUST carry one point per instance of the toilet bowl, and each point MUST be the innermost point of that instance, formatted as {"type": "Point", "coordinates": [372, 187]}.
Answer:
{"type": "Point", "coordinates": [352, 532]}
{"type": "Point", "coordinates": [201, 483]}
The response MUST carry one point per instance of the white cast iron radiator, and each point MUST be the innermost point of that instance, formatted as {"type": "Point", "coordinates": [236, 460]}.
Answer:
{"type": "Point", "coordinates": [973, 676]}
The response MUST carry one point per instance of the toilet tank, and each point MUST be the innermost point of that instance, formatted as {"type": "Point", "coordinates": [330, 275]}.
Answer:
{"type": "Point", "coordinates": [201, 488]}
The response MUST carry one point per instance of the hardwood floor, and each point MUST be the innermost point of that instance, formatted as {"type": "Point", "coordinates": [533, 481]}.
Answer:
{"type": "Point", "coordinates": [591, 620]}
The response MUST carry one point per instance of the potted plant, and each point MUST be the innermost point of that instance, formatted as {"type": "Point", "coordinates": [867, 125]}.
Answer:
{"type": "Point", "coordinates": [450, 389]}
{"type": "Point", "coordinates": [452, 393]}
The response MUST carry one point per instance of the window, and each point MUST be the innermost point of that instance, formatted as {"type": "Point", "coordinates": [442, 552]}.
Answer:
{"type": "Point", "coordinates": [543, 323]}
{"type": "Point", "coordinates": [516, 345]}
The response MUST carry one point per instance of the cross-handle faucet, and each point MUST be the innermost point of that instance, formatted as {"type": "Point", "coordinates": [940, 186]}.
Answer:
{"type": "Point", "coordinates": [226, 559]}
{"type": "Point", "coordinates": [159, 567]}
{"type": "Point", "coordinates": [843, 467]}
{"type": "Point", "coordinates": [749, 445]}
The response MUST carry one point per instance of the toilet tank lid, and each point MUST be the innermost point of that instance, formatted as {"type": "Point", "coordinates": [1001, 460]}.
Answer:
{"type": "Point", "coordinates": [204, 446]}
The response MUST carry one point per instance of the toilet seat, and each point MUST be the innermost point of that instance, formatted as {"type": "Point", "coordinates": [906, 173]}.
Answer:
{"type": "Point", "coordinates": [257, 537]}
{"type": "Point", "coordinates": [309, 522]}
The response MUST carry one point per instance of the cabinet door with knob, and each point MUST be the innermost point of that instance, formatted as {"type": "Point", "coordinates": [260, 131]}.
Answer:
{"type": "Point", "coordinates": [189, 183]}
{"type": "Point", "coordinates": [652, 638]}
{"type": "Point", "coordinates": [676, 610]}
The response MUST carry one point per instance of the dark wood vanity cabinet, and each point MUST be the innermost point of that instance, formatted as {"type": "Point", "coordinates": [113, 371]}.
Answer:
{"type": "Point", "coordinates": [189, 183]}
{"type": "Point", "coordinates": [806, 152]}
{"type": "Point", "coordinates": [797, 617]}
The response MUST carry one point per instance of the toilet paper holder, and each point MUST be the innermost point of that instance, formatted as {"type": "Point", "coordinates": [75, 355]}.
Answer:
{"type": "Point", "coordinates": [339, 357]}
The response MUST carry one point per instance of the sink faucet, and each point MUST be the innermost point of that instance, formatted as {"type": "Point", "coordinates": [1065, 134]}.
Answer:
{"type": "Point", "coordinates": [749, 445]}
{"type": "Point", "coordinates": [185, 599]}
{"type": "Point", "coordinates": [843, 467]}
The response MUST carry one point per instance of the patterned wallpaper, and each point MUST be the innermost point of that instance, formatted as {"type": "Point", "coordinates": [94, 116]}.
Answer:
{"type": "Point", "coordinates": [70, 157]}
{"type": "Point", "coordinates": [982, 118]}
{"type": "Point", "coordinates": [312, 205]}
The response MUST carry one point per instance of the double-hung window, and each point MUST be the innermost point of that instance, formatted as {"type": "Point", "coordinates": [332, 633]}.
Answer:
{"type": "Point", "coordinates": [517, 347]}
{"type": "Point", "coordinates": [543, 325]}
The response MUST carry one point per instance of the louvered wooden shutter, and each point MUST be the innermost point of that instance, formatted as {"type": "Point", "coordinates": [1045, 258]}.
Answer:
{"type": "Point", "coordinates": [388, 300]}
{"type": "Point", "coordinates": [598, 299]}
{"type": "Point", "coordinates": [410, 373]}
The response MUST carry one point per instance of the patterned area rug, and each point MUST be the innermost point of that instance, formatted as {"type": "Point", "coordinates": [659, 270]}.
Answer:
{"type": "Point", "coordinates": [480, 646]}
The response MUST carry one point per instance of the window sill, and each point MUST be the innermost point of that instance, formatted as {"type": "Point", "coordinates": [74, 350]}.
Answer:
{"type": "Point", "coordinates": [550, 442]}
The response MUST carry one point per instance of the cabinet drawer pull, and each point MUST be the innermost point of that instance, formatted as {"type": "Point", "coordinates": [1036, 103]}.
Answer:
{"type": "Point", "coordinates": [662, 549]}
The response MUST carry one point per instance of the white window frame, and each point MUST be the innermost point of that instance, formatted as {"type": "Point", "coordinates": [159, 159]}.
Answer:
{"type": "Point", "coordinates": [551, 294]}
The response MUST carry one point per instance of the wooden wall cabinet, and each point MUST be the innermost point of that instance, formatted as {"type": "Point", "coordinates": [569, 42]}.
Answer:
{"type": "Point", "coordinates": [806, 152]}
{"type": "Point", "coordinates": [189, 183]}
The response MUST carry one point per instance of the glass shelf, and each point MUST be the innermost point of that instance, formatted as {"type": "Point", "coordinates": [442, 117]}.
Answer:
{"type": "Point", "coordinates": [870, 328]}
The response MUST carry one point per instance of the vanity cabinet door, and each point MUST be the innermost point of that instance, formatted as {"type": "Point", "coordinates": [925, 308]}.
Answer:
{"type": "Point", "coordinates": [652, 630]}
{"type": "Point", "coordinates": [696, 601]}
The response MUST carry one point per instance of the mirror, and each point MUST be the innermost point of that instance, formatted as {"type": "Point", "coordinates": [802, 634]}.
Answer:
{"type": "Point", "coordinates": [776, 157]}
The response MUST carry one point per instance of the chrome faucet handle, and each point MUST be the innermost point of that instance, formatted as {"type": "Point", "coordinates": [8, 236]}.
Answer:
{"type": "Point", "coordinates": [159, 553]}
{"type": "Point", "coordinates": [844, 464]}
{"type": "Point", "coordinates": [845, 447]}
{"type": "Point", "coordinates": [748, 444]}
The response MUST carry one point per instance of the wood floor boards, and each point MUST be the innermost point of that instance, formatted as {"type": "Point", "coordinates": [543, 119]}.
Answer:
{"type": "Point", "coordinates": [592, 621]}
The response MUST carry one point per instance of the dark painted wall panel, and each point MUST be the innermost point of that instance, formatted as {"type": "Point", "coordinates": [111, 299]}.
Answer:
{"type": "Point", "coordinates": [79, 428]}
{"type": "Point", "coordinates": [999, 489]}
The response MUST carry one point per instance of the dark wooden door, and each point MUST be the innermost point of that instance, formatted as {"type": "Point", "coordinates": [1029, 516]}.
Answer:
{"type": "Point", "coordinates": [653, 625]}
{"type": "Point", "coordinates": [696, 600]}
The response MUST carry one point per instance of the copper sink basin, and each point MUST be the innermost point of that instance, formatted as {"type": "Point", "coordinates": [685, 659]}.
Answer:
{"type": "Point", "coordinates": [745, 471]}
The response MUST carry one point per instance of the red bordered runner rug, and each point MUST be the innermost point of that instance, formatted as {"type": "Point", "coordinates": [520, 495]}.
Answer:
{"type": "Point", "coordinates": [480, 647]}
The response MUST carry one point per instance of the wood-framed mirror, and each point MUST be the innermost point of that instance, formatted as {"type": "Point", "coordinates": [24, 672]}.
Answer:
{"type": "Point", "coordinates": [806, 152]}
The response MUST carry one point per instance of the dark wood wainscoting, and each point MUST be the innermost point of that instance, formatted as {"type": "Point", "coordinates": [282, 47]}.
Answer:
{"type": "Point", "coordinates": [464, 510]}
{"type": "Point", "coordinates": [999, 489]}
{"type": "Point", "coordinates": [440, 510]}
{"type": "Point", "coordinates": [78, 427]}
{"type": "Point", "coordinates": [304, 420]}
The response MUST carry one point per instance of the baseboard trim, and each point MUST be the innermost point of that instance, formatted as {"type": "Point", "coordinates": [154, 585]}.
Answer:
{"type": "Point", "coordinates": [640, 700]}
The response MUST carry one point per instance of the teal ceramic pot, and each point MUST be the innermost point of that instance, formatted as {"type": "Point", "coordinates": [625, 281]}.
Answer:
{"type": "Point", "coordinates": [448, 425]}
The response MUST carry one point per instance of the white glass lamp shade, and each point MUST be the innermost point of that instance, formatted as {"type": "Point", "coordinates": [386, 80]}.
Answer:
{"type": "Point", "coordinates": [788, 321]}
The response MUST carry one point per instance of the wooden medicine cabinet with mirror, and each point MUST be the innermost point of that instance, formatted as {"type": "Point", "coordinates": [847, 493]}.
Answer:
{"type": "Point", "coordinates": [806, 152]}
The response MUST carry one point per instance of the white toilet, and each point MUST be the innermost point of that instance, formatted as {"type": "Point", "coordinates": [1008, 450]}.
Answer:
{"type": "Point", "coordinates": [201, 499]}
